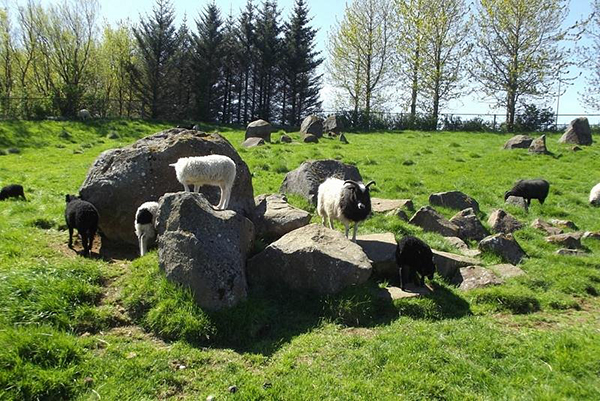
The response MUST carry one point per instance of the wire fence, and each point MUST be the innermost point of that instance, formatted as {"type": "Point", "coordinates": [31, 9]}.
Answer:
{"type": "Point", "coordinates": [99, 107]}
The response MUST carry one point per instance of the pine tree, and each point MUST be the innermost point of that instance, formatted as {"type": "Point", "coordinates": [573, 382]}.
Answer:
{"type": "Point", "coordinates": [246, 35]}
{"type": "Point", "coordinates": [231, 74]}
{"type": "Point", "coordinates": [301, 83]}
{"type": "Point", "coordinates": [208, 56]}
{"type": "Point", "coordinates": [268, 47]}
{"type": "Point", "coordinates": [158, 42]}
{"type": "Point", "coordinates": [184, 78]}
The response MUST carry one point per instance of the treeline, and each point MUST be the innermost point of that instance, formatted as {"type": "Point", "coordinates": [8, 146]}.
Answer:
{"type": "Point", "coordinates": [56, 60]}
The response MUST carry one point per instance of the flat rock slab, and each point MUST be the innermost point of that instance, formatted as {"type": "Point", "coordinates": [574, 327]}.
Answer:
{"type": "Point", "coordinates": [546, 227]}
{"type": "Point", "coordinates": [471, 277]}
{"type": "Point", "coordinates": [505, 271]}
{"type": "Point", "coordinates": [379, 205]}
{"type": "Point", "coordinates": [571, 252]}
{"type": "Point", "coordinates": [430, 220]}
{"type": "Point", "coordinates": [447, 264]}
{"type": "Point", "coordinates": [274, 217]}
{"type": "Point", "coordinates": [563, 223]}
{"type": "Point", "coordinates": [567, 240]}
{"type": "Point", "coordinates": [518, 142]}
{"type": "Point", "coordinates": [394, 293]}
{"type": "Point", "coordinates": [381, 250]}
{"type": "Point", "coordinates": [312, 258]}
{"type": "Point", "coordinates": [253, 142]}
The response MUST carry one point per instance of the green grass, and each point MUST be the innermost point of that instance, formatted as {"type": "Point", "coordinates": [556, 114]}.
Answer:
{"type": "Point", "coordinates": [73, 328]}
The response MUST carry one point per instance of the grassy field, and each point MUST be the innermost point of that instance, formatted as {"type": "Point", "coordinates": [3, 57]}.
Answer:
{"type": "Point", "coordinates": [74, 328]}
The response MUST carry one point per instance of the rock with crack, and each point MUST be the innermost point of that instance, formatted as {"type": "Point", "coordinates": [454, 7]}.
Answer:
{"type": "Point", "coordinates": [274, 217]}
{"type": "Point", "coordinates": [503, 245]}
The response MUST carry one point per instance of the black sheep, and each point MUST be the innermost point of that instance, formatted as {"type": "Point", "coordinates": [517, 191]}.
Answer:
{"type": "Point", "coordinates": [12, 191]}
{"type": "Point", "coordinates": [414, 256]}
{"type": "Point", "coordinates": [83, 216]}
{"type": "Point", "coordinates": [530, 189]}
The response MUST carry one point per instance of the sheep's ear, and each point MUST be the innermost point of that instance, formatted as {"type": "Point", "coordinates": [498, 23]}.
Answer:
{"type": "Point", "coordinates": [370, 183]}
{"type": "Point", "coordinates": [67, 198]}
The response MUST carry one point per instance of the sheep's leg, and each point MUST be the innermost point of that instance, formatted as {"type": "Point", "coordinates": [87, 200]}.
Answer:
{"type": "Point", "coordinates": [71, 237]}
{"type": "Point", "coordinates": [403, 276]}
{"type": "Point", "coordinates": [347, 228]}
{"type": "Point", "coordinates": [226, 195]}
{"type": "Point", "coordinates": [331, 223]}
{"type": "Point", "coordinates": [197, 188]}
{"type": "Point", "coordinates": [186, 187]}
{"type": "Point", "coordinates": [91, 240]}
{"type": "Point", "coordinates": [354, 233]}
{"type": "Point", "coordinates": [84, 242]}
{"type": "Point", "coordinates": [142, 245]}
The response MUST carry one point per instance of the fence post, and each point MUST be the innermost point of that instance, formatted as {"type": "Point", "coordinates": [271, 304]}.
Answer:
{"type": "Point", "coordinates": [494, 122]}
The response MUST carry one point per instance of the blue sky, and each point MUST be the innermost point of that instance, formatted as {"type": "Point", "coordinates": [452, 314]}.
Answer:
{"type": "Point", "coordinates": [325, 13]}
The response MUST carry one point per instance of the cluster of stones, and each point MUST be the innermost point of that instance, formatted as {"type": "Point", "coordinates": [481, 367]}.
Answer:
{"type": "Point", "coordinates": [313, 127]}
{"type": "Point", "coordinates": [208, 250]}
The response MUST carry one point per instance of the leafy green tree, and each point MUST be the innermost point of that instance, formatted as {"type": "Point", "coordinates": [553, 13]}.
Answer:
{"type": "Point", "coordinates": [518, 50]}
{"type": "Point", "coordinates": [361, 54]}
{"type": "Point", "coordinates": [157, 42]}
{"type": "Point", "coordinates": [208, 57]}
{"type": "Point", "coordinates": [590, 97]}
{"type": "Point", "coordinates": [301, 83]}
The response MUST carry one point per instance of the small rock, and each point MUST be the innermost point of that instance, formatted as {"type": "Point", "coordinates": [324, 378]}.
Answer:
{"type": "Point", "coordinates": [14, 150]}
{"type": "Point", "coordinates": [502, 222]}
{"type": "Point", "coordinates": [430, 220]}
{"type": "Point", "coordinates": [285, 139]}
{"type": "Point", "coordinates": [505, 271]}
{"type": "Point", "coordinates": [504, 246]}
{"type": "Point", "coordinates": [131, 355]}
{"type": "Point", "coordinates": [517, 201]}
{"type": "Point", "coordinates": [232, 389]}
{"type": "Point", "coordinates": [267, 385]}
{"type": "Point", "coordinates": [471, 277]}
{"type": "Point", "coordinates": [567, 240]}
{"type": "Point", "coordinates": [399, 213]}
{"type": "Point", "coordinates": [379, 205]}
{"type": "Point", "coordinates": [447, 263]}
{"type": "Point", "coordinates": [210, 398]}
{"type": "Point", "coordinates": [571, 252]}
{"type": "Point", "coordinates": [88, 380]}
{"type": "Point", "coordinates": [518, 141]}
{"type": "Point", "coordinates": [576, 149]}
{"type": "Point", "coordinates": [591, 235]}
{"type": "Point", "coordinates": [343, 139]}
{"type": "Point", "coordinates": [563, 223]}
{"type": "Point", "coordinates": [394, 293]}
{"type": "Point", "coordinates": [544, 226]}
{"type": "Point", "coordinates": [538, 146]}
{"type": "Point", "coordinates": [310, 138]}
{"type": "Point", "coordinates": [253, 142]}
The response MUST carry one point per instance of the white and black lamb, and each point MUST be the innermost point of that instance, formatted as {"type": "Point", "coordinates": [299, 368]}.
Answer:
{"type": "Point", "coordinates": [12, 191]}
{"type": "Point", "coordinates": [595, 195]}
{"type": "Point", "coordinates": [83, 216]}
{"type": "Point", "coordinates": [145, 225]}
{"type": "Point", "coordinates": [215, 170]}
{"type": "Point", "coordinates": [415, 261]}
{"type": "Point", "coordinates": [346, 201]}
{"type": "Point", "coordinates": [530, 189]}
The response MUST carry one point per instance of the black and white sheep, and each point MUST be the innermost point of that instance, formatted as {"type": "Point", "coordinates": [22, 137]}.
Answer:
{"type": "Point", "coordinates": [415, 261]}
{"type": "Point", "coordinates": [12, 191]}
{"type": "Point", "coordinates": [530, 189]}
{"type": "Point", "coordinates": [595, 195]}
{"type": "Point", "coordinates": [145, 225]}
{"type": "Point", "coordinates": [83, 216]}
{"type": "Point", "coordinates": [84, 114]}
{"type": "Point", "coordinates": [215, 170]}
{"type": "Point", "coordinates": [346, 201]}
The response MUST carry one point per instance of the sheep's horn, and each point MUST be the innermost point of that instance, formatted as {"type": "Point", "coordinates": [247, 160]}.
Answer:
{"type": "Point", "coordinates": [351, 182]}
{"type": "Point", "coordinates": [370, 183]}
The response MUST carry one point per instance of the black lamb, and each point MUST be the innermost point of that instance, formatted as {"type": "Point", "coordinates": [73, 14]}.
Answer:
{"type": "Point", "coordinates": [83, 216]}
{"type": "Point", "coordinates": [12, 191]}
{"type": "Point", "coordinates": [415, 260]}
{"type": "Point", "coordinates": [530, 189]}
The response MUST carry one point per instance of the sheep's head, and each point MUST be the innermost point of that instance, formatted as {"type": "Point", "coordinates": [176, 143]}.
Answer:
{"type": "Point", "coordinates": [69, 198]}
{"type": "Point", "coordinates": [355, 200]}
{"type": "Point", "coordinates": [507, 194]}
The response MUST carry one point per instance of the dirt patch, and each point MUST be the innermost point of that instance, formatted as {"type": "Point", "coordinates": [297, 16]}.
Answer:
{"type": "Point", "coordinates": [359, 331]}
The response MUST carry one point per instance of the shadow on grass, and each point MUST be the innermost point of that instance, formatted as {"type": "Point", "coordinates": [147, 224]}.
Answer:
{"type": "Point", "coordinates": [273, 317]}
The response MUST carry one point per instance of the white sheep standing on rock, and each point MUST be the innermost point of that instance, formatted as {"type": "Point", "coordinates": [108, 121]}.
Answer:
{"type": "Point", "coordinates": [595, 195]}
{"type": "Point", "coordinates": [215, 170]}
{"type": "Point", "coordinates": [145, 225]}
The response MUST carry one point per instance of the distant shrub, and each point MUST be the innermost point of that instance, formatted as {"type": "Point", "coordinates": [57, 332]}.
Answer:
{"type": "Point", "coordinates": [531, 118]}
{"type": "Point", "coordinates": [455, 123]}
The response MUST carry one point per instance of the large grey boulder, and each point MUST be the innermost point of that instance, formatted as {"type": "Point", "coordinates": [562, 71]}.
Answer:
{"type": "Point", "coordinates": [430, 220]}
{"type": "Point", "coordinates": [518, 142]}
{"type": "Point", "coordinates": [274, 217]}
{"type": "Point", "coordinates": [259, 129]}
{"type": "Point", "coordinates": [204, 249]}
{"type": "Point", "coordinates": [122, 179]}
{"type": "Point", "coordinates": [312, 125]}
{"type": "Point", "coordinates": [381, 250]}
{"type": "Point", "coordinates": [504, 246]}
{"type": "Point", "coordinates": [471, 277]}
{"type": "Point", "coordinates": [538, 146]}
{"type": "Point", "coordinates": [332, 124]}
{"type": "Point", "coordinates": [312, 258]}
{"type": "Point", "coordinates": [453, 200]}
{"type": "Point", "coordinates": [447, 264]}
{"type": "Point", "coordinates": [469, 226]}
{"type": "Point", "coordinates": [305, 180]}
{"type": "Point", "coordinates": [502, 222]}
{"type": "Point", "coordinates": [578, 132]}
